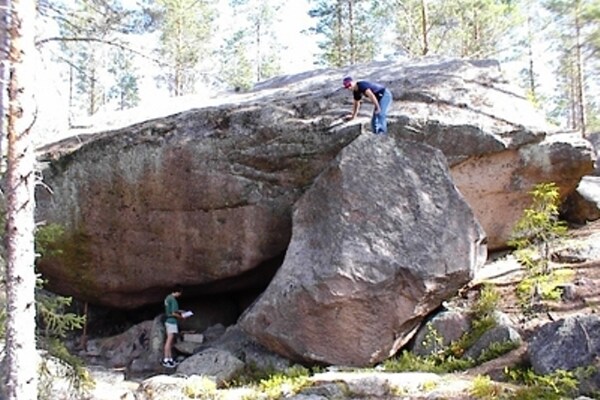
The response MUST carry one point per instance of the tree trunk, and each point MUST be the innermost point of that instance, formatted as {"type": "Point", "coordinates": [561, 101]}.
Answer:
{"type": "Point", "coordinates": [578, 72]}
{"type": "Point", "coordinates": [353, 55]}
{"type": "Point", "coordinates": [530, 72]}
{"type": "Point", "coordinates": [424, 23]}
{"type": "Point", "coordinates": [572, 93]}
{"type": "Point", "coordinates": [20, 275]}
{"type": "Point", "coordinates": [258, 55]}
{"type": "Point", "coordinates": [340, 36]}
{"type": "Point", "coordinates": [4, 4]}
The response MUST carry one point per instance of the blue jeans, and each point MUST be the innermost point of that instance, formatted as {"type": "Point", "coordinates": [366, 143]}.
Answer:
{"type": "Point", "coordinates": [378, 121]}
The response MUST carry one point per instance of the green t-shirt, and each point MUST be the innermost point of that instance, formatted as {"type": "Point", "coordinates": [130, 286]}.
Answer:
{"type": "Point", "coordinates": [171, 305]}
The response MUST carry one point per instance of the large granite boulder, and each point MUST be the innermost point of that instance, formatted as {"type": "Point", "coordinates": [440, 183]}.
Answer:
{"type": "Point", "coordinates": [570, 344]}
{"type": "Point", "coordinates": [203, 195]}
{"type": "Point", "coordinates": [379, 241]}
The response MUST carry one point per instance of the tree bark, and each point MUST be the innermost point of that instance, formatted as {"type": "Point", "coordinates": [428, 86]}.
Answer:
{"type": "Point", "coordinates": [353, 55]}
{"type": "Point", "coordinates": [578, 70]}
{"type": "Point", "coordinates": [530, 72]}
{"type": "Point", "coordinates": [424, 23]}
{"type": "Point", "coordinates": [4, 4]}
{"type": "Point", "coordinates": [20, 275]}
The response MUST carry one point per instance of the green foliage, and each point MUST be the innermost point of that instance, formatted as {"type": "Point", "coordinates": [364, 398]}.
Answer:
{"type": "Point", "coordinates": [410, 362]}
{"type": "Point", "coordinates": [483, 388]}
{"type": "Point", "coordinates": [280, 385]}
{"type": "Point", "coordinates": [496, 349]}
{"type": "Point", "coordinates": [46, 236]}
{"type": "Point", "coordinates": [93, 34]}
{"type": "Point", "coordinates": [125, 90]}
{"type": "Point", "coordinates": [60, 364]}
{"type": "Point", "coordinates": [433, 341]}
{"type": "Point", "coordinates": [451, 358]}
{"type": "Point", "coordinates": [185, 32]}
{"type": "Point", "coordinates": [482, 320]}
{"type": "Point", "coordinates": [539, 227]}
{"type": "Point", "coordinates": [270, 384]}
{"type": "Point", "coordinates": [428, 386]}
{"type": "Point", "coordinates": [253, 52]}
{"type": "Point", "coordinates": [487, 303]}
{"type": "Point", "coordinates": [555, 386]}
{"type": "Point", "coordinates": [346, 29]}
{"type": "Point", "coordinates": [576, 37]}
{"type": "Point", "coordinates": [478, 26]}
{"type": "Point", "coordinates": [545, 287]}
{"type": "Point", "coordinates": [200, 387]}
{"type": "Point", "coordinates": [54, 322]}
{"type": "Point", "coordinates": [533, 237]}
{"type": "Point", "coordinates": [251, 375]}
{"type": "Point", "coordinates": [236, 67]}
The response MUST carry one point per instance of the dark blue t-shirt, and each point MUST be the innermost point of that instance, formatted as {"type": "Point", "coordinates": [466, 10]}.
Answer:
{"type": "Point", "coordinates": [364, 85]}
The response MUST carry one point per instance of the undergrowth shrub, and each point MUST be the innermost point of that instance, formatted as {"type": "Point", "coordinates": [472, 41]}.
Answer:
{"type": "Point", "coordinates": [556, 386]}
{"type": "Point", "coordinates": [54, 321]}
{"type": "Point", "coordinates": [451, 358]}
{"type": "Point", "coordinates": [533, 238]}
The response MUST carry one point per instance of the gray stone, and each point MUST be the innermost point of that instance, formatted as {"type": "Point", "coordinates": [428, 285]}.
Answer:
{"type": "Point", "coordinates": [499, 334]}
{"type": "Point", "coordinates": [369, 258]}
{"type": "Point", "coordinates": [447, 326]}
{"type": "Point", "coordinates": [219, 364]}
{"type": "Point", "coordinates": [568, 344]}
{"type": "Point", "coordinates": [583, 205]}
{"type": "Point", "coordinates": [193, 337]}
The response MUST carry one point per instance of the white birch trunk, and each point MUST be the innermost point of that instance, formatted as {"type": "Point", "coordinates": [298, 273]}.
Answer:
{"type": "Point", "coordinates": [21, 351]}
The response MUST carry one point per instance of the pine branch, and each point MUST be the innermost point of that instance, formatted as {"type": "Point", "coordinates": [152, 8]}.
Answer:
{"type": "Point", "coordinates": [103, 41]}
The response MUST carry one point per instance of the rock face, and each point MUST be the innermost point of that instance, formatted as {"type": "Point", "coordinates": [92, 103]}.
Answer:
{"type": "Point", "coordinates": [373, 251]}
{"type": "Point", "coordinates": [204, 196]}
{"type": "Point", "coordinates": [569, 344]}
{"type": "Point", "coordinates": [497, 185]}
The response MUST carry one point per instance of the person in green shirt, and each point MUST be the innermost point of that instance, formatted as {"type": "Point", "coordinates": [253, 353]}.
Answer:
{"type": "Point", "coordinates": [172, 313]}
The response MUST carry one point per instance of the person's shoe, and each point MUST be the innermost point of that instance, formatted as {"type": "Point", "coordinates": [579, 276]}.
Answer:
{"type": "Point", "coordinates": [168, 364]}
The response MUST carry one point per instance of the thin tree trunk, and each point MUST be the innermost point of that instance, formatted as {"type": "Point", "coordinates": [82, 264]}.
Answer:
{"type": "Point", "coordinates": [351, 39]}
{"type": "Point", "coordinates": [572, 93]}
{"type": "Point", "coordinates": [84, 334]}
{"type": "Point", "coordinates": [92, 97]}
{"type": "Point", "coordinates": [4, 4]}
{"type": "Point", "coordinates": [258, 55]}
{"type": "Point", "coordinates": [20, 276]}
{"type": "Point", "coordinates": [530, 72]}
{"type": "Point", "coordinates": [579, 84]}
{"type": "Point", "coordinates": [340, 35]}
{"type": "Point", "coordinates": [71, 106]}
{"type": "Point", "coordinates": [424, 23]}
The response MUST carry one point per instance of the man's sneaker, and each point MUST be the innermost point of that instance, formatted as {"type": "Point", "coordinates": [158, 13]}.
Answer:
{"type": "Point", "coordinates": [168, 364]}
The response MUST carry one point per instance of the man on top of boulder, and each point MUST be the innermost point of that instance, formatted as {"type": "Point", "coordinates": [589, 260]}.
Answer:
{"type": "Point", "coordinates": [377, 94]}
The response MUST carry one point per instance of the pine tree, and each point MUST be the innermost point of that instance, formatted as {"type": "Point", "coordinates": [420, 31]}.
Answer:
{"type": "Point", "coordinates": [20, 276]}
{"type": "Point", "coordinates": [185, 31]}
{"type": "Point", "coordinates": [125, 89]}
{"type": "Point", "coordinates": [92, 35]}
{"type": "Point", "coordinates": [349, 30]}
{"type": "Point", "coordinates": [236, 67]}
{"type": "Point", "coordinates": [469, 28]}
{"type": "Point", "coordinates": [577, 31]}
{"type": "Point", "coordinates": [252, 52]}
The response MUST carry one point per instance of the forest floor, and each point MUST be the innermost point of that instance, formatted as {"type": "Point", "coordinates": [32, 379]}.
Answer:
{"type": "Point", "coordinates": [578, 260]}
